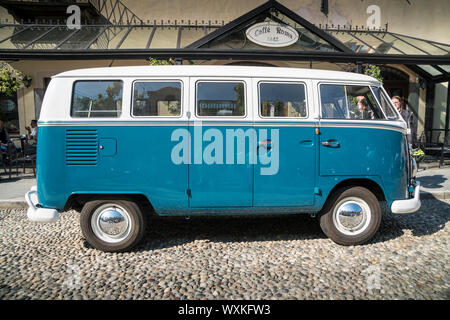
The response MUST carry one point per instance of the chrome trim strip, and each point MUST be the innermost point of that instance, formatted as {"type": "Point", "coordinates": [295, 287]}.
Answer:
{"type": "Point", "coordinates": [112, 124]}
{"type": "Point", "coordinates": [222, 124]}
{"type": "Point", "coordinates": [344, 125]}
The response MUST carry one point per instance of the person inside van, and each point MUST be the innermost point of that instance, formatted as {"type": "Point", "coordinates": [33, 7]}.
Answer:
{"type": "Point", "coordinates": [33, 131]}
{"type": "Point", "coordinates": [361, 110]}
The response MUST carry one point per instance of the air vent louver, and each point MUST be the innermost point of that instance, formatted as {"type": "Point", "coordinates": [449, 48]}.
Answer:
{"type": "Point", "coordinates": [81, 147]}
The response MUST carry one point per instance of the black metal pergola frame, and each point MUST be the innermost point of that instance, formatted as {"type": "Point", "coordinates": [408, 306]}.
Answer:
{"type": "Point", "coordinates": [197, 50]}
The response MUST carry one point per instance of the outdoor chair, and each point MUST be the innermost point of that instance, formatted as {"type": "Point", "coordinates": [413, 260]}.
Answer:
{"type": "Point", "coordinates": [429, 143]}
{"type": "Point", "coordinates": [445, 149]}
{"type": "Point", "coordinates": [421, 141]}
{"type": "Point", "coordinates": [29, 153]}
{"type": "Point", "coordinates": [29, 156]}
{"type": "Point", "coordinates": [3, 156]}
{"type": "Point", "coordinates": [12, 157]}
{"type": "Point", "coordinates": [14, 160]}
{"type": "Point", "coordinates": [27, 148]}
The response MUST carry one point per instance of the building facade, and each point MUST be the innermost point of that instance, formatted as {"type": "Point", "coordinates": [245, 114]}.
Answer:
{"type": "Point", "coordinates": [407, 39]}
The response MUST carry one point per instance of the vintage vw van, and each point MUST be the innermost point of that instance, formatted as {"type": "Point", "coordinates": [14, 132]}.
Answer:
{"type": "Point", "coordinates": [119, 144]}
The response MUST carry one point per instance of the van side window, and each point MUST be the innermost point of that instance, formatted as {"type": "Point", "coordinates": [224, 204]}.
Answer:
{"type": "Point", "coordinates": [349, 102]}
{"type": "Point", "coordinates": [156, 98]}
{"type": "Point", "coordinates": [282, 100]}
{"type": "Point", "coordinates": [97, 98]}
{"type": "Point", "coordinates": [333, 100]}
{"type": "Point", "coordinates": [220, 99]}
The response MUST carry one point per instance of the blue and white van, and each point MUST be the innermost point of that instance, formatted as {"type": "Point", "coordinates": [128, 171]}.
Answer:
{"type": "Point", "coordinates": [122, 143]}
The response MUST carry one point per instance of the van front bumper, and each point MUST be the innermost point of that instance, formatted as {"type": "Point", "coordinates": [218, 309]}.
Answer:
{"type": "Point", "coordinates": [408, 205]}
{"type": "Point", "coordinates": [37, 214]}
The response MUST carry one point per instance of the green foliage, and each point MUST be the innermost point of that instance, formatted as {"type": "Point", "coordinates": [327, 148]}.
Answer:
{"type": "Point", "coordinates": [374, 71]}
{"type": "Point", "coordinates": [10, 79]}
{"type": "Point", "coordinates": [159, 62]}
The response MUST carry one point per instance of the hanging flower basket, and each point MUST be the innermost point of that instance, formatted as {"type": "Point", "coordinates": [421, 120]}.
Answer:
{"type": "Point", "coordinates": [10, 79]}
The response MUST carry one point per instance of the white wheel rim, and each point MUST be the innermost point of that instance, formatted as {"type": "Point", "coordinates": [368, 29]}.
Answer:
{"type": "Point", "coordinates": [111, 223]}
{"type": "Point", "coordinates": [352, 216]}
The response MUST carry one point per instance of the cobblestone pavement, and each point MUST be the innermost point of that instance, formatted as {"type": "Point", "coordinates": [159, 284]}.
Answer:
{"type": "Point", "coordinates": [285, 257]}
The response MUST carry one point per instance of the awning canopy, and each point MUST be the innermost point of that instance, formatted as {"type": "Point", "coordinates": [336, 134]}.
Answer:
{"type": "Point", "coordinates": [194, 41]}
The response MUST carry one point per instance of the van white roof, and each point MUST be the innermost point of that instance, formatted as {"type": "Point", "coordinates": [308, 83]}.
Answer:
{"type": "Point", "coordinates": [214, 71]}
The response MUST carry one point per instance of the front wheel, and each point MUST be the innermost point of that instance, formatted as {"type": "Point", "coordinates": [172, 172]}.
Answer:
{"type": "Point", "coordinates": [352, 217]}
{"type": "Point", "coordinates": [112, 225]}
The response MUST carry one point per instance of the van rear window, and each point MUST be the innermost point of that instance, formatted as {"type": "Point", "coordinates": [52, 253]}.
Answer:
{"type": "Point", "coordinates": [220, 99]}
{"type": "Point", "coordinates": [97, 98]}
{"type": "Point", "coordinates": [282, 100]}
{"type": "Point", "coordinates": [157, 99]}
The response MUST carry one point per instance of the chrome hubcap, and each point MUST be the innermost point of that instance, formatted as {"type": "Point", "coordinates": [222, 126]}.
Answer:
{"type": "Point", "coordinates": [352, 216]}
{"type": "Point", "coordinates": [111, 223]}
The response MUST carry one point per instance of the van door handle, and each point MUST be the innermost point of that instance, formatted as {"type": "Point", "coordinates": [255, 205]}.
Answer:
{"type": "Point", "coordinates": [330, 143]}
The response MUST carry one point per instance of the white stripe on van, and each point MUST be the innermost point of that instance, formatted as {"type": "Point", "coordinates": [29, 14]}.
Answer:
{"type": "Point", "coordinates": [347, 124]}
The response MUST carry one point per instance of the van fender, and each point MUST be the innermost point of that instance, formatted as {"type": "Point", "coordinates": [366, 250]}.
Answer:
{"type": "Point", "coordinates": [330, 184]}
{"type": "Point", "coordinates": [77, 200]}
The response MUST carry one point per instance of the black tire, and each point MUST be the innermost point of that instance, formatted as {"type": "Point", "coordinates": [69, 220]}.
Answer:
{"type": "Point", "coordinates": [331, 221]}
{"type": "Point", "coordinates": [134, 232]}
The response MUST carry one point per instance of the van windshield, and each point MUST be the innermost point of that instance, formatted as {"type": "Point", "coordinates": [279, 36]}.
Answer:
{"type": "Point", "coordinates": [385, 103]}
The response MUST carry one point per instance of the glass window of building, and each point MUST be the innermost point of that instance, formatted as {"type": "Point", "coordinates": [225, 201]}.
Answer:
{"type": "Point", "coordinates": [237, 39]}
{"type": "Point", "coordinates": [9, 113]}
{"type": "Point", "coordinates": [164, 37]}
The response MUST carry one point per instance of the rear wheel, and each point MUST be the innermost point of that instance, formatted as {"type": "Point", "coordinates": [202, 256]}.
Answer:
{"type": "Point", "coordinates": [352, 217]}
{"type": "Point", "coordinates": [112, 225]}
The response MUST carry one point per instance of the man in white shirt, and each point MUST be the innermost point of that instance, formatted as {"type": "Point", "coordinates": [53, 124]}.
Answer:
{"type": "Point", "coordinates": [33, 131]}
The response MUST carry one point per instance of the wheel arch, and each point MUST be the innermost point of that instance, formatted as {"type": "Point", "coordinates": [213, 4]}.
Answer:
{"type": "Point", "coordinates": [77, 201]}
{"type": "Point", "coordinates": [367, 183]}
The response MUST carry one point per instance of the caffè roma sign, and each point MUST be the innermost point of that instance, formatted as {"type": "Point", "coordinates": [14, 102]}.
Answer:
{"type": "Point", "coordinates": [271, 34]}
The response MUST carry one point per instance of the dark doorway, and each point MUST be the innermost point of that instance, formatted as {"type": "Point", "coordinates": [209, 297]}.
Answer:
{"type": "Point", "coordinates": [395, 82]}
